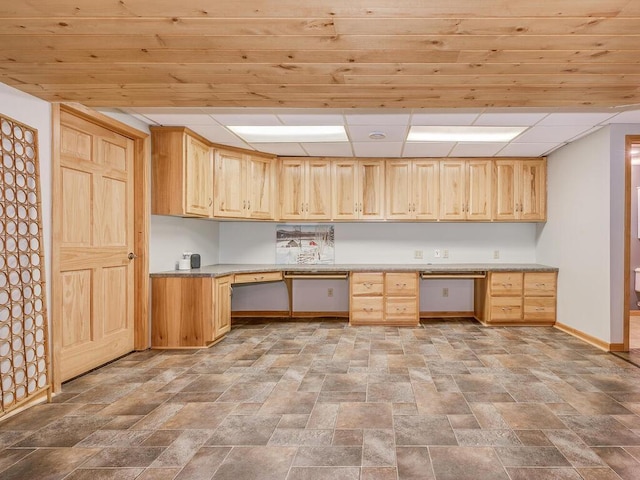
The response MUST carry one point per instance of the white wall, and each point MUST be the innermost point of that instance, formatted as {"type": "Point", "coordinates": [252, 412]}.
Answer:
{"type": "Point", "coordinates": [251, 242]}
{"type": "Point", "coordinates": [169, 237]}
{"type": "Point", "coordinates": [35, 113]}
{"type": "Point", "coordinates": [580, 235]}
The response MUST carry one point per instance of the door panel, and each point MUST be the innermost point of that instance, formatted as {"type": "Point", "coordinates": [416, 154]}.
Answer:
{"type": "Point", "coordinates": [371, 189]}
{"type": "Point", "coordinates": [229, 185]}
{"type": "Point", "coordinates": [198, 181]}
{"type": "Point", "coordinates": [452, 190]}
{"type": "Point", "coordinates": [506, 193]}
{"type": "Point", "coordinates": [318, 200]}
{"type": "Point", "coordinates": [260, 187]}
{"type": "Point", "coordinates": [291, 189]}
{"type": "Point", "coordinates": [426, 174]}
{"type": "Point", "coordinates": [399, 200]}
{"type": "Point", "coordinates": [479, 191]}
{"type": "Point", "coordinates": [343, 182]}
{"type": "Point", "coordinates": [95, 235]}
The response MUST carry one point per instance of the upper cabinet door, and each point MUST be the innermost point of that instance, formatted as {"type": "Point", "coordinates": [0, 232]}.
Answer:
{"type": "Point", "coordinates": [533, 205]}
{"type": "Point", "coordinates": [479, 189]}
{"type": "Point", "coordinates": [230, 180]}
{"type": "Point", "coordinates": [426, 191]}
{"type": "Point", "coordinates": [198, 178]}
{"type": "Point", "coordinates": [452, 190]}
{"type": "Point", "coordinates": [400, 203]}
{"type": "Point", "coordinates": [371, 190]}
{"type": "Point", "coordinates": [261, 189]}
{"type": "Point", "coordinates": [318, 190]}
{"type": "Point", "coordinates": [345, 192]}
{"type": "Point", "coordinates": [292, 195]}
{"type": "Point", "coordinates": [506, 193]}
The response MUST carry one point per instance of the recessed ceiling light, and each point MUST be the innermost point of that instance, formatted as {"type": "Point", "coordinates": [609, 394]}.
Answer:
{"type": "Point", "coordinates": [455, 133]}
{"type": "Point", "coordinates": [377, 135]}
{"type": "Point", "coordinates": [291, 133]}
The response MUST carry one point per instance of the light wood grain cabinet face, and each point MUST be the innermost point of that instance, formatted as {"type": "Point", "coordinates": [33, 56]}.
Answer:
{"type": "Point", "coordinates": [520, 189]}
{"type": "Point", "coordinates": [305, 189]}
{"type": "Point", "coordinates": [384, 298]}
{"type": "Point", "coordinates": [465, 189]}
{"type": "Point", "coordinates": [412, 189]}
{"type": "Point", "coordinates": [244, 185]}
{"type": "Point", "coordinates": [222, 320]}
{"type": "Point", "coordinates": [181, 173]}
{"type": "Point", "coordinates": [358, 187]}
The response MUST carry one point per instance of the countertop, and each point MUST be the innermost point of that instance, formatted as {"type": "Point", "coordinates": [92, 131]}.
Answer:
{"type": "Point", "coordinates": [220, 270]}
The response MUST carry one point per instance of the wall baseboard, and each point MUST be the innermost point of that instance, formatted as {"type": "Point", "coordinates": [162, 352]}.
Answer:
{"type": "Point", "coordinates": [596, 342]}
{"type": "Point", "coordinates": [447, 314]}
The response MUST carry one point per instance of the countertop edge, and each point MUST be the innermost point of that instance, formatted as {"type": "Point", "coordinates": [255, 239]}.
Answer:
{"type": "Point", "coordinates": [222, 270]}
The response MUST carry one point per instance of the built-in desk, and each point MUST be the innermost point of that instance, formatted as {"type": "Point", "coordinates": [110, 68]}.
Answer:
{"type": "Point", "coordinates": [192, 308]}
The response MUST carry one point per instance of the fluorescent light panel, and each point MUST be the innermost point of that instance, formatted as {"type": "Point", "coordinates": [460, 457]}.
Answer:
{"type": "Point", "coordinates": [291, 133]}
{"type": "Point", "coordinates": [455, 133]}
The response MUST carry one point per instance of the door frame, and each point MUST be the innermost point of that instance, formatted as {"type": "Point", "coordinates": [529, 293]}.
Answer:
{"type": "Point", "coordinates": [141, 179]}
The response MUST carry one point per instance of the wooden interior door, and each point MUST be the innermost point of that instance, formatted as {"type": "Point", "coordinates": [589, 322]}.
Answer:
{"type": "Point", "coordinates": [93, 234]}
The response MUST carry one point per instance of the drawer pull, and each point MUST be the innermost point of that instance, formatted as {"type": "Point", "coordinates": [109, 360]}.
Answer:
{"type": "Point", "coordinates": [539, 309]}
{"type": "Point", "coordinates": [367, 284]}
{"type": "Point", "coordinates": [507, 285]}
{"type": "Point", "coordinates": [403, 309]}
{"type": "Point", "coordinates": [401, 285]}
{"type": "Point", "coordinates": [368, 309]}
{"type": "Point", "coordinates": [257, 279]}
{"type": "Point", "coordinates": [541, 284]}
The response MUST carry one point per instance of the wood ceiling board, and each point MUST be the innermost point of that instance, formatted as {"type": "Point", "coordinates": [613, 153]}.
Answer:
{"type": "Point", "coordinates": [326, 53]}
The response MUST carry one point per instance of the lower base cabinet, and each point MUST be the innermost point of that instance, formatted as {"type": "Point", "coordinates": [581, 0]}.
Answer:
{"type": "Point", "coordinates": [189, 312]}
{"type": "Point", "coordinates": [384, 298]}
{"type": "Point", "coordinates": [516, 298]}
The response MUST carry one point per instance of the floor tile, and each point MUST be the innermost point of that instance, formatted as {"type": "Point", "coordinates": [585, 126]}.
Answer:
{"type": "Point", "coordinates": [467, 463]}
{"type": "Point", "coordinates": [256, 463]}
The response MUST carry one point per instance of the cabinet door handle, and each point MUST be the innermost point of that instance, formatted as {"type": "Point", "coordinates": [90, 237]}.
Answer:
{"type": "Point", "coordinates": [248, 204]}
{"type": "Point", "coordinates": [539, 309]}
{"type": "Point", "coordinates": [257, 279]}
{"type": "Point", "coordinates": [244, 204]}
{"type": "Point", "coordinates": [367, 284]}
{"type": "Point", "coordinates": [210, 201]}
{"type": "Point", "coordinates": [541, 284]}
{"type": "Point", "coordinates": [401, 285]}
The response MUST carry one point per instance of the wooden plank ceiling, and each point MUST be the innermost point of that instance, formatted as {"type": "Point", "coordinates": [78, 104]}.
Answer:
{"type": "Point", "coordinates": [324, 53]}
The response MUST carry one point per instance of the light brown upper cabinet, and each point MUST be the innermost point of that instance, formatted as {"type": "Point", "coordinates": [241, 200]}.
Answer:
{"type": "Point", "coordinates": [412, 189]}
{"type": "Point", "coordinates": [358, 189]}
{"type": "Point", "coordinates": [521, 188]}
{"type": "Point", "coordinates": [465, 189]}
{"type": "Point", "coordinates": [244, 185]}
{"type": "Point", "coordinates": [305, 189]}
{"type": "Point", "coordinates": [182, 173]}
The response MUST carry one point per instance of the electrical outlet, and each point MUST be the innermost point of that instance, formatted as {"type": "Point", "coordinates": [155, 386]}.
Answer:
{"type": "Point", "coordinates": [417, 254]}
{"type": "Point", "coordinates": [445, 253]}
{"type": "Point", "coordinates": [445, 292]}
{"type": "Point", "coordinates": [329, 292]}
{"type": "Point", "coordinates": [496, 254]}
{"type": "Point", "coordinates": [436, 253]}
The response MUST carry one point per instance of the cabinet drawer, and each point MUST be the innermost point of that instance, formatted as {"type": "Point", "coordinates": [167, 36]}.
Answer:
{"type": "Point", "coordinates": [540, 284]}
{"type": "Point", "coordinates": [401, 284]}
{"type": "Point", "coordinates": [401, 307]}
{"type": "Point", "coordinates": [506, 283]}
{"type": "Point", "coordinates": [258, 277]}
{"type": "Point", "coordinates": [540, 308]}
{"type": "Point", "coordinates": [367, 309]}
{"type": "Point", "coordinates": [369, 283]}
{"type": "Point", "coordinates": [506, 308]}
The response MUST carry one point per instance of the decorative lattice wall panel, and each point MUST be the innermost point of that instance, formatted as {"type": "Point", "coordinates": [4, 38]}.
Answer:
{"type": "Point", "coordinates": [23, 319]}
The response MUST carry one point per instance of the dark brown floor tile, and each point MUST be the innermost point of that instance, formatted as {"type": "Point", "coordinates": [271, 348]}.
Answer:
{"type": "Point", "coordinates": [161, 438]}
{"type": "Point", "coordinates": [105, 474]}
{"type": "Point", "coordinates": [65, 432]}
{"type": "Point", "coordinates": [466, 463]}
{"type": "Point", "coordinates": [245, 430]}
{"type": "Point", "coordinates": [122, 422]}
{"type": "Point", "coordinates": [597, 473]}
{"type": "Point", "coordinates": [328, 457]}
{"type": "Point", "coordinates": [253, 392]}
{"type": "Point", "coordinates": [204, 463]}
{"type": "Point", "coordinates": [10, 456]}
{"type": "Point", "coordinates": [432, 402]}
{"type": "Point", "coordinates": [127, 457]}
{"type": "Point", "coordinates": [115, 438]}
{"type": "Point", "coordinates": [199, 416]}
{"type": "Point", "coordinates": [37, 417]}
{"type": "Point", "coordinates": [323, 473]}
{"type": "Point", "coordinates": [595, 403]}
{"type": "Point", "coordinates": [544, 474]}
{"type": "Point", "coordinates": [350, 382]}
{"type": "Point", "coordinates": [414, 463]}
{"type": "Point", "coordinates": [48, 464]}
{"type": "Point", "coordinates": [399, 392]}
{"type": "Point", "coordinates": [364, 415]}
{"type": "Point", "coordinates": [574, 449]}
{"type": "Point", "coordinates": [211, 383]}
{"type": "Point", "coordinates": [352, 438]}
{"type": "Point", "coordinates": [465, 422]}
{"type": "Point", "coordinates": [601, 430]}
{"type": "Point", "coordinates": [621, 462]}
{"type": "Point", "coordinates": [342, 397]}
{"type": "Point", "coordinates": [535, 438]}
{"type": "Point", "coordinates": [290, 402]}
{"type": "Point", "coordinates": [159, 416]}
{"type": "Point", "coordinates": [423, 430]}
{"type": "Point", "coordinates": [522, 416]}
{"type": "Point", "coordinates": [182, 449]}
{"type": "Point", "coordinates": [256, 463]}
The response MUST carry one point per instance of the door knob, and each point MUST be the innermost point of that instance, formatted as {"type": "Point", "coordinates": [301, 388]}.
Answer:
{"type": "Point", "coordinates": [132, 255]}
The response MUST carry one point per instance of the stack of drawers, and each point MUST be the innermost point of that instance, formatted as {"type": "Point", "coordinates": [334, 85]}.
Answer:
{"type": "Point", "coordinates": [384, 298]}
{"type": "Point", "coordinates": [518, 298]}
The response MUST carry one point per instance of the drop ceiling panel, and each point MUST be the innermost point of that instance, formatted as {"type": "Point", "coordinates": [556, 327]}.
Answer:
{"type": "Point", "coordinates": [341, 149]}
{"type": "Point", "coordinates": [503, 119]}
{"type": "Point", "coordinates": [377, 149]}
{"type": "Point", "coordinates": [284, 149]}
{"type": "Point", "coordinates": [216, 134]}
{"type": "Point", "coordinates": [309, 118]}
{"type": "Point", "coordinates": [476, 149]}
{"type": "Point", "coordinates": [248, 119]}
{"type": "Point", "coordinates": [443, 118]}
{"type": "Point", "coordinates": [578, 118]}
{"type": "Point", "coordinates": [548, 134]}
{"type": "Point", "coordinates": [527, 149]}
{"type": "Point", "coordinates": [427, 149]}
{"type": "Point", "coordinates": [171, 119]}
{"type": "Point", "coordinates": [379, 118]}
{"type": "Point", "coordinates": [394, 133]}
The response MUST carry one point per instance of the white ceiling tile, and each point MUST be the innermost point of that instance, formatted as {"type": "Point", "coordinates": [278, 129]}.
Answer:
{"type": "Point", "coordinates": [377, 149]}
{"type": "Point", "coordinates": [215, 133]}
{"type": "Point", "coordinates": [576, 118]}
{"type": "Point", "coordinates": [285, 149]}
{"type": "Point", "coordinates": [377, 118]}
{"type": "Point", "coordinates": [444, 119]}
{"type": "Point", "coordinates": [527, 149]}
{"type": "Point", "coordinates": [242, 119]}
{"type": "Point", "coordinates": [394, 133]}
{"type": "Point", "coordinates": [328, 149]}
{"type": "Point", "coordinates": [309, 118]}
{"type": "Point", "coordinates": [427, 149]}
{"type": "Point", "coordinates": [181, 119]}
{"type": "Point", "coordinates": [631, 116]}
{"type": "Point", "coordinates": [549, 134]}
{"type": "Point", "coordinates": [485, 149]}
{"type": "Point", "coordinates": [509, 119]}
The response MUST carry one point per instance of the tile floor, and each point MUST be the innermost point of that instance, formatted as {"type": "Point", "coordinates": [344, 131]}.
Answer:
{"type": "Point", "coordinates": [450, 400]}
